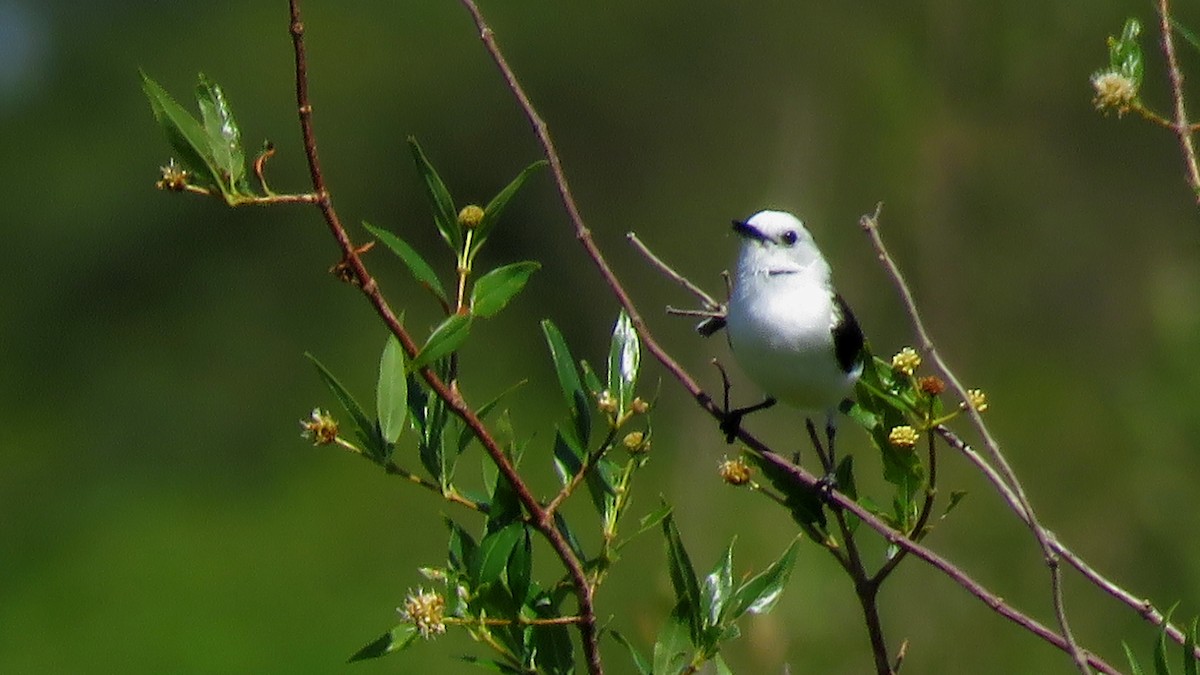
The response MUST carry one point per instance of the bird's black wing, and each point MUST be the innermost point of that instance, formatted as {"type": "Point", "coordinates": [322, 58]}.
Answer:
{"type": "Point", "coordinates": [847, 335]}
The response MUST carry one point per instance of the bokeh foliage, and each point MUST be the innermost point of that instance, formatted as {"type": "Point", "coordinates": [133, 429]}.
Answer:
{"type": "Point", "coordinates": [159, 506]}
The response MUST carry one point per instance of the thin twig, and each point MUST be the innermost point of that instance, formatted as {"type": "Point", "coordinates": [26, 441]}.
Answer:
{"type": "Point", "coordinates": [1144, 607]}
{"type": "Point", "coordinates": [870, 225]}
{"type": "Point", "coordinates": [702, 398]}
{"type": "Point", "coordinates": [541, 520]}
{"type": "Point", "coordinates": [1182, 127]}
{"type": "Point", "coordinates": [706, 300]}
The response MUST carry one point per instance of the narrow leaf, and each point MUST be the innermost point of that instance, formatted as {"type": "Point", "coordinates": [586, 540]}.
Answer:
{"type": "Point", "coordinates": [184, 133]}
{"type": "Point", "coordinates": [397, 639]}
{"type": "Point", "coordinates": [444, 340]}
{"type": "Point", "coordinates": [639, 661]}
{"type": "Point", "coordinates": [1134, 667]}
{"type": "Point", "coordinates": [462, 548]}
{"type": "Point", "coordinates": [578, 403]}
{"type": "Point", "coordinates": [520, 567]}
{"type": "Point", "coordinates": [564, 529]}
{"type": "Point", "coordinates": [717, 587]}
{"type": "Point", "coordinates": [444, 215]}
{"type": "Point", "coordinates": [491, 213]}
{"type": "Point", "coordinates": [624, 360]}
{"type": "Point", "coordinates": [364, 423]}
{"type": "Point", "coordinates": [494, 552]}
{"type": "Point", "coordinates": [391, 391]}
{"type": "Point", "coordinates": [674, 642]}
{"type": "Point", "coordinates": [416, 265]}
{"type": "Point", "coordinates": [224, 136]}
{"type": "Point", "coordinates": [683, 578]}
{"type": "Point", "coordinates": [760, 593]}
{"type": "Point", "coordinates": [492, 291]}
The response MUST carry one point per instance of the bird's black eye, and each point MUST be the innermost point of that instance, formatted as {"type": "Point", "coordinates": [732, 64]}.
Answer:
{"type": "Point", "coordinates": [789, 238]}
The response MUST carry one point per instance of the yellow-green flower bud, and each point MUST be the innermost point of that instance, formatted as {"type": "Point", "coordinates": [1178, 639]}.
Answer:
{"type": "Point", "coordinates": [470, 217]}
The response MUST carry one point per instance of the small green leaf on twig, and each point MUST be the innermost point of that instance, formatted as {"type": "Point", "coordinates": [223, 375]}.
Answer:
{"type": "Point", "coordinates": [397, 639]}
{"type": "Point", "coordinates": [624, 361]}
{"type": "Point", "coordinates": [224, 136]}
{"type": "Point", "coordinates": [444, 215]}
{"type": "Point", "coordinates": [491, 213]}
{"type": "Point", "coordinates": [416, 265]}
{"type": "Point", "coordinates": [683, 580]}
{"type": "Point", "coordinates": [639, 661]}
{"type": "Point", "coordinates": [186, 136]}
{"type": "Point", "coordinates": [445, 339]}
{"type": "Point", "coordinates": [578, 401]}
{"type": "Point", "coordinates": [391, 391]}
{"type": "Point", "coordinates": [492, 291]}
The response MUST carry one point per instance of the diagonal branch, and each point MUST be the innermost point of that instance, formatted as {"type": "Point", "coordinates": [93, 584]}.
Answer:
{"type": "Point", "coordinates": [870, 225]}
{"type": "Point", "coordinates": [542, 520]}
{"type": "Point", "coordinates": [702, 398]}
{"type": "Point", "coordinates": [1182, 128]}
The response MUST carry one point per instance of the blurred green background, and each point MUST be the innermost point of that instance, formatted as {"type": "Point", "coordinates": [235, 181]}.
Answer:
{"type": "Point", "coordinates": [159, 512]}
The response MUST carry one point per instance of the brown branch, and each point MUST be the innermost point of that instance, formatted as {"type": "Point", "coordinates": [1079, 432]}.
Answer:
{"type": "Point", "coordinates": [1182, 128]}
{"type": "Point", "coordinates": [1144, 608]}
{"type": "Point", "coordinates": [870, 225]}
{"type": "Point", "coordinates": [542, 520]}
{"type": "Point", "coordinates": [705, 401]}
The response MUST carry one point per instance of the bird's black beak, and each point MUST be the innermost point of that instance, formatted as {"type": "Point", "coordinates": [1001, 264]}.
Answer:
{"type": "Point", "coordinates": [748, 231]}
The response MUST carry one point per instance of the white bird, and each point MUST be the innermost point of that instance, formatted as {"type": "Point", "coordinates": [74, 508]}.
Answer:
{"type": "Point", "coordinates": [789, 330]}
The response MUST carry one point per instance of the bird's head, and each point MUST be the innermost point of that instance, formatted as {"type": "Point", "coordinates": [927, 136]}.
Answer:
{"type": "Point", "coordinates": [776, 242]}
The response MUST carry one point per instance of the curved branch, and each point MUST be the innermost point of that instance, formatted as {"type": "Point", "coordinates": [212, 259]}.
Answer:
{"type": "Point", "coordinates": [541, 519]}
{"type": "Point", "coordinates": [702, 398]}
{"type": "Point", "coordinates": [870, 225]}
{"type": "Point", "coordinates": [1182, 128]}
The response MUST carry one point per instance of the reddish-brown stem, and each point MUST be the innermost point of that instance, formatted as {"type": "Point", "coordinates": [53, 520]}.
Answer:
{"type": "Point", "coordinates": [1182, 128]}
{"type": "Point", "coordinates": [801, 477]}
{"type": "Point", "coordinates": [542, 520]}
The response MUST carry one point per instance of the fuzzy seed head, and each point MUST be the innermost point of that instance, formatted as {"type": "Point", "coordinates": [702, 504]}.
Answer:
{"type": "Point", "coordinates": [1114, 91]}
{"type": "Point", "coordinates": [320, 427]}
{"type": "Point", "coordinates": [470, 217]}
{"type": "Point", "coordinates": [735, 471]}
{"type": "Point", "coordinates": [427, 611]}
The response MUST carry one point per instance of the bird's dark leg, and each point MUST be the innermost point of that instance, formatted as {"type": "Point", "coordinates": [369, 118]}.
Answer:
{"type": "Point", "coordinates": [731, 420]}
{"type": "Point", "coordinates": [824, 453]}
{"type": "Point", "coordinates": [731, 423]}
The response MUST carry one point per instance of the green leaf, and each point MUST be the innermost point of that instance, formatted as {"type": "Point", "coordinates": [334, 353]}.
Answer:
{"type": "Point", "coordinates": [461, 550]}
{"type": "Point", "coordinates": [391, 390]}
{"type": "Point", "coordinates": [492, 291]}
{"type": "Point", "coordinates": [187, 138]}
{"type": "Point", "coordinates": [674, 642]}
{"type": "Point", "coordinates": [956, 498]}
{"type": "Point", "coordinates": [564, 529]}
{"type": "Point", "coordinates": [1186, 33]}
{"type": "Point", "coordinates": [491, 213]}
{"type": "Point", "coordinates": [224, 136]}
{"type": "Point", "coordinates": [445, 339]}
{"type": "Point", "coordinates": [761, 592]}
{"type": "Point", "coordinates": [578, 402]}
{"type": "Point", "coordinates": [416, 265]}
{"type": "Point", "coordinates": [1134, 667]}
{"type": "Point", "coordinates": [683, 579]}
{"type": "Point", "coordinates": [717, 587]}
{"type": "Point", "coordinates": [568, 457]}
{"type": "Point", "coordinates": [1125, 54]}
{"type": "Point", "coordinates": [624, 361]}
{"type": "Point", "coordinates": [520, 567]}
{"type": "Point", "coordinates": [1160, 645]}
{"type": "Point", "coordinates": [639, 661]}
{"type": "Point", "coordinates": [444, 214]}
{"type": "Point", "coordinates": [552, 648]}
{"type": "Point", "coordinates": [395, 640]}
{"type": "Point", "coordinates": [365, 426]}
{"type": "Point", "coordinates": [494, 552]}
{"type": "Point", "coordinates": [1189, 650]}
